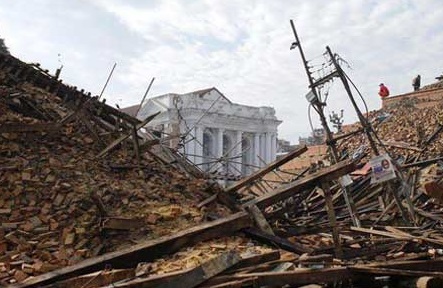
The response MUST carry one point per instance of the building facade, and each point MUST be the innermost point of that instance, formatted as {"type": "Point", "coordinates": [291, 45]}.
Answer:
{"type": "Point", "coordinates": [212, 132]}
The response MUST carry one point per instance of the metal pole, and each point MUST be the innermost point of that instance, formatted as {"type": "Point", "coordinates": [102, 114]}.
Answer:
{"type": "Point", "coordinates": [144, 96]}
{"type": "Point", "coordinates": [368, 129]}
{"type": "Point", "coordinates": [107, 81]}
{"type": "Point", "coordinates": [363, 121]}
{"type": "Point", "coordinates": [329, 139]}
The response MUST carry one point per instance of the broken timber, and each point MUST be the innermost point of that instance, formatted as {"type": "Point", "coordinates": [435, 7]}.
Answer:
{"type": "Point", "coordinates": [254, 176]}
{"type": "Point", "coordinates": [297, 277]}
{"type": "Point", "coordinates": [147, 251]}
{"type": "Point", "coordinates": [327, 174]}
{"type": "Point", "coordinates": [188, 278]}
{"type": "Point", "coordinates": [125, 136]}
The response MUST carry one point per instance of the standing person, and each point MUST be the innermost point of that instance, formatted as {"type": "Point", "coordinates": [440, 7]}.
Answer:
{"type": "Point", "coordinates": [384, 91]}
{"type": "Point", "coordinates": [416, 82]}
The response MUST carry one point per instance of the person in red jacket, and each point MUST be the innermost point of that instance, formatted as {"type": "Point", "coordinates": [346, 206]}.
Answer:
{"type": "Point", "coordinates": [384, 91]}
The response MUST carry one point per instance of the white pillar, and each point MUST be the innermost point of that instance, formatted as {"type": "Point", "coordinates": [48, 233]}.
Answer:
{"type": "Point", "coordinates": [190, 146]}
{"type": "Point", "coordinates": [198, 145]}
{"type": "Point", "coordinates": [255, 159]}
{"type": "Point", "coordinates": [219, 148]}
{"type": "Point", "coordinates": [238, 153]}
{"type": "Point", "coordinates": [268, 147]}
{"type": "Point", "coordinates": [273, 146]}
{"type": "Point", "coordinates": [262, 150]}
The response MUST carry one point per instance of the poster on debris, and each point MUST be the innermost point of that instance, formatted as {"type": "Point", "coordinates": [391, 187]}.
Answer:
{"type": "Point", "coordinates": [382, 169]}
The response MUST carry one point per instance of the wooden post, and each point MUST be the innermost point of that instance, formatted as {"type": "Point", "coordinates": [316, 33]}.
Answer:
{"type": "Point", "coordinates": [136, 144]}
{"type": "Point", "coordinates": [332, 219]}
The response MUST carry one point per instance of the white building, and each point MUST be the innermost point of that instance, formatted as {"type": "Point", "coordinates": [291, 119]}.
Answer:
{"type": "Point", "coordinates": [217, 135]}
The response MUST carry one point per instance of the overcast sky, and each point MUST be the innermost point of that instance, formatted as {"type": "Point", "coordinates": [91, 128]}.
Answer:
{"type": "Point", "coordinates": [239, 46]}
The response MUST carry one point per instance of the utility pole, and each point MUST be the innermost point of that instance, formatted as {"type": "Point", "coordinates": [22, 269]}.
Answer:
{"type": "Point", "coordinates": [318, 105]}
{"type": "Point", "coordinates": [367, 128]}
{"type": "Point", "coordinates": [364, 123]}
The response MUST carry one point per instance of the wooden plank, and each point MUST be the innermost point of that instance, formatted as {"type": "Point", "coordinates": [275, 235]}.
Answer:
{"type": "Point", "coordinates": [260, 219]}
{"type": "Point", "coordinates": [404, 235]}
{"type": "Point", "coordinates": [418, 265]}
{"type": "Point", "coordinates": [422, 163]}
{"type": "Point", "coordinates": [393, 272]}
{"type": "Point", "coordinates": [152, 142]}
{"type": "Point", "coordinates": [285, 191]}
{"type": "Point", "coordinates": [147, 251]}
{"type": "Point", "coordinates": [97, 279]}
{"type": "Point", "coordinates": [401, 145]}
{"type": "Point", "coordinates": [23, 128]}
{"type": "Point", "coordinates": [125, 136]}
{"type": "Point", "coordinates": [187, 279]}
{"type": "Point", "coordinates": [253, 260]}
{"type": "Point", "coordinates": [332, 219]}
{"type": "Point", "coordinates": [282, 243]}
{"type": "Point", "coordinates": [136, 144]}
{"type": "Point", "coordinates": [233, 284]}
{"type": "Point", "coordinates": [300, 276]}
{"type": "Point", "coordinates": [258, 174]}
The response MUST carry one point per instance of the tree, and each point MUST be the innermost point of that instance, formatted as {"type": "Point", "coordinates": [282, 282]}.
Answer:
{"type": "Point", "coordinates": [3, 48]}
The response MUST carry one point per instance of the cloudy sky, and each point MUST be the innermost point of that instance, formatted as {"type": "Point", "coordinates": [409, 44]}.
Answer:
{"type": "Point", "coordinates": [239, 46]}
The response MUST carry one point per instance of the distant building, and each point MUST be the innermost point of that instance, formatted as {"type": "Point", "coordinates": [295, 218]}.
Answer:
{"type": "Point", "coordinates": [283, 146]}
{"type": "Point", "coordinates": [317, 137]}
{"type": "Point", "coordinates": [217, 135]}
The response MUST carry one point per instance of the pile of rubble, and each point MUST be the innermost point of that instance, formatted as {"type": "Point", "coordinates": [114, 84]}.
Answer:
{"type": "Point", "coordinates": [406, 131]}
{"type": "Point", "coordinates": [86, 194]}
{"type": "Point", "coordinates": [60, 204]}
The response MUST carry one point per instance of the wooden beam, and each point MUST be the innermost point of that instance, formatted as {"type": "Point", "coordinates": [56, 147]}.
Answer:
{"type": "Point", "coordinates": [339, 137]}
{"type": "Point", "coordinates": [97, 279]}
{"type": "Point", "coordinates": [260, 219]}
{"type": "Point", "coordinates": [136, 144]}
{"type": "Point", "coordinates": [401, 145]}
{"type": "Point", "coordinates": [300, 276]}
{"type": "Point", "coordinates": [147, 251]}
{"type": "Point", "coordinates": [403, 236]}
{"type": "Point", "coordinates": [282, 243]}
{"type": "Point", "coordinates": [286, 191]}
{"type": "Point", "coordinates": [152, 142]}
{"type": "Point", "coordinates": [393, 272]}
{"type": "Point", "coordinates": [422, 163]}
{"type": "Point", "coordinates": [188, 278]}
{"type": "Point", "coordinates": [433, 265]}
{"type": "Point", "coordinates": [332, 219]}
{"type": "Point", "coordinates": [125, 136]}
{"type": "Point", "coordinates": [253, 260]}
{"type": "Point", "coordinates": [258, 174]}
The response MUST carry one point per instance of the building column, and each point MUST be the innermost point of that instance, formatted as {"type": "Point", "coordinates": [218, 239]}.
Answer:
{"type": "Point", "coordinates": [238, 153]}
{"type": "Point", "coordinates": [255, 159]}
{"type": "Point", "coordinates": [219, 148]}
{"type": "Point", "coordinates": [268, 147]}
{"type": "Point", "coordinates": [199, 145]}
{"type": "Point", "coordinates": [273, 146]}
{"type": "Point", "coordinates": [262, 159]}
{"type": "Point", "coordinates": [190, 146]}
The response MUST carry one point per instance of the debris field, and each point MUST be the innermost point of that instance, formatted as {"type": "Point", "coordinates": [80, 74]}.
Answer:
{"type": "Point", "coordinates": [89, 200]}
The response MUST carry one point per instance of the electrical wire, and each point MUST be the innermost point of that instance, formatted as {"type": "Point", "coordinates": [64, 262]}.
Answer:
{"type": "Point", "coordinates": [310, 118]}
{"type": "Point", "coordinates": [359, 94]}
